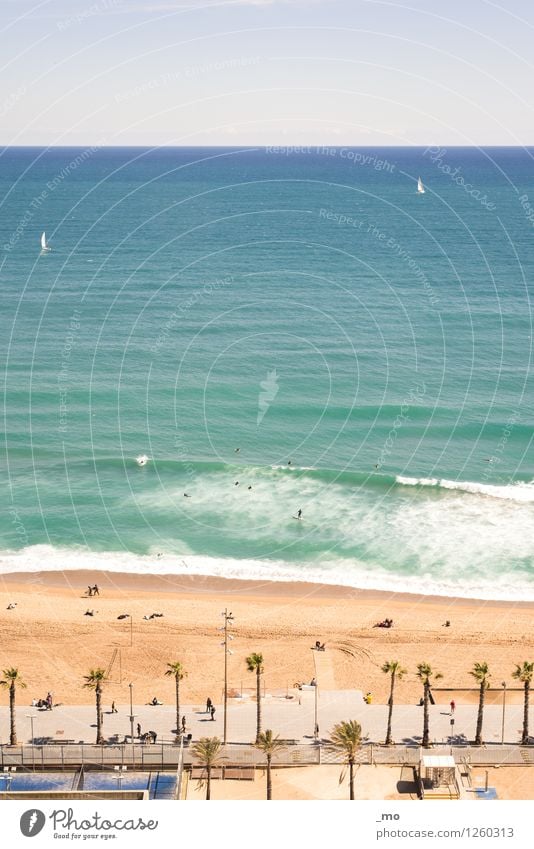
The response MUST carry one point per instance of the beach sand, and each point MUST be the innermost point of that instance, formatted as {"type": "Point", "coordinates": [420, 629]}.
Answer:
{"type": "Point", "coordinates": [51, 641]}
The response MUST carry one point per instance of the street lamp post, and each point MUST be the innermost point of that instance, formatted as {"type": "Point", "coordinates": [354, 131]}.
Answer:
{"type": "Point", "coordinates": [132, 717]}
{"type": "Point", "coordinates": [31, 717]}
{"type": "Point", "coordinates": [316, 699]}
{"type": "Point", "coordinates": [228, 617]}
{"type": "Point", "coordinates": [503, 685]}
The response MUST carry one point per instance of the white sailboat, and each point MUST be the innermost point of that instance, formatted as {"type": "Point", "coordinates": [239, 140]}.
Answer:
{"type": "Point", "coordinates": [420, 187]}
{"type": "Point", "coordinates": [44, 246]}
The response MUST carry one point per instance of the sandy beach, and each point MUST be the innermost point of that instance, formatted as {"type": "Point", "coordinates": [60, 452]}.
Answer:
{"type": "Point", "coordinates": [54, 644]}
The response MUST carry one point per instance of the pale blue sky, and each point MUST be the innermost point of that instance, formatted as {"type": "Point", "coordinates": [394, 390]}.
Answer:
{"type": "Point", "coordinates": [292, 72]}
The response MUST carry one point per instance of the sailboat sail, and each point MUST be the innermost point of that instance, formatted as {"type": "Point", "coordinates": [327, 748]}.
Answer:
{"type": "Point", "coordinates": [420, 187]}
{"type": "Point", "coordinates": [44, 246]}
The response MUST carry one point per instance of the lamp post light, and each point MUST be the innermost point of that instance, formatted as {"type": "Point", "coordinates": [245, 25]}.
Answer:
{"type": "Point", "coordinates": [228, 617]}
{"type": "Point", "coordinates": [503, 685]}
{"type": "Point", "coordinates": [31, 717]}
{"type": "Point", "coordinates": [316, 698]}
{"type": "Point", "coordinates": [132, 717]}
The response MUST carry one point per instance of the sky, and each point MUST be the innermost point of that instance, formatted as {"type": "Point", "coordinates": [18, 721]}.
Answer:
{"type": "Point", "coordinates": [266, 72]}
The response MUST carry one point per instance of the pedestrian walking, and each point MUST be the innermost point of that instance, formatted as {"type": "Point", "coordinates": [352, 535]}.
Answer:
{"type": "Point", "coordinates": [183, 724]}
{"type": "Point", "coordinates": [208, 705]}
{"type": "Point", "coordinates": [453, 706]}
{"type": "Point", "coordinates": [113, 708]}
{"type": "Point", "coordinates": [138, 729]}
{"type": "Point", "coordinates": [212, 711]}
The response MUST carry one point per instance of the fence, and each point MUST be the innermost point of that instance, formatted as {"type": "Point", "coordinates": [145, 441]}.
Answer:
{"type": "Point", "coordinates": [68, 756]}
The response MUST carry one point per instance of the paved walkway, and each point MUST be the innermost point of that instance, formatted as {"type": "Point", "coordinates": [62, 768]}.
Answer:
{"type": "Point", "coordinates": [290, 718]}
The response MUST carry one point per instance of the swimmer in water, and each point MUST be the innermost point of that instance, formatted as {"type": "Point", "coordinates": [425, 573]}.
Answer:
{"type": "Point", "coordinates": [186, 495]}
{"type": "Point", "coordinates": [236, 483]}
{"type": "Point", "coordinates": [236, 450]}
{"type": "Point", "coordinates": [299, 514]}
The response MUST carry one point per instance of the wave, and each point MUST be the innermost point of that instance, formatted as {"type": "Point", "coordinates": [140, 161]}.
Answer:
{"type": "Point", "coordinates": [522, 492]}
{"type": "Point", "coordinates": [335, 572]}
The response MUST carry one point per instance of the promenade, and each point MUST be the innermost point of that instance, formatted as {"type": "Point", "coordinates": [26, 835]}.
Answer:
{"type": "Point", "coordinates": [292, 719]}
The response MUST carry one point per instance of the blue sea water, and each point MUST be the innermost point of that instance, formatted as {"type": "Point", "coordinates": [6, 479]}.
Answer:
{"type": "Point", "coordinates": [367, 349]}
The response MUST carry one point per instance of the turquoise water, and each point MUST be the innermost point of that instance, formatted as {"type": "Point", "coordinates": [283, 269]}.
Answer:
{"type": "Point", "coordinates": [302, 306]}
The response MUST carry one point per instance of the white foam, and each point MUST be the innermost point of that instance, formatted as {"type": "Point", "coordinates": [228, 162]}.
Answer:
{"type": "Point", "coordinates": [520, 492]}
{"type": "Point", "coordinates": [339, 572]}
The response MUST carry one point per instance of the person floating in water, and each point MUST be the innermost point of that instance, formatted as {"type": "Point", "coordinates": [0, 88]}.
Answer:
{"type": "Point", "coordinates": [236, 483]}
{"type": "Point", "coordinates": [236, 450]}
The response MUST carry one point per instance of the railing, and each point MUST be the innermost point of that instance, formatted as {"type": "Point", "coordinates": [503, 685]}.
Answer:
{"type": "Point", "coordinates": [68, 756]}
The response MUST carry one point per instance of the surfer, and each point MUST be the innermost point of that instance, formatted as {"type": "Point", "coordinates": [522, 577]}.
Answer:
{"type": "Point", "coordinates": [299, 514]}
{"type": "Point", "coordinates": [186, 495]}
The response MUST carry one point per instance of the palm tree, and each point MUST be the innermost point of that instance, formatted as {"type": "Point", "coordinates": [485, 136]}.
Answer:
{"type": "Point", "coordinates": [12, 679]}
{"type": "Point", "coordinates": [177, 671]}
{"type": "Point", "coordinates": [269, 745]}
{"type": "Point", "coordinates": [346, 739]}
{"type": "Point", "coordinates": [425, 673]}
{"type": "Point", "coordinates": [208, 751]}
{"type": "Point", "coordinates": [524, 674]}
{"type": "Point", "coordinates": [94, 681]}
{"type": "Point", "coordinates": [255, 664]}
{"type": "Point", "coordinates": [393, 668]}
{"type": "Point", "coordinates": [480, 673]}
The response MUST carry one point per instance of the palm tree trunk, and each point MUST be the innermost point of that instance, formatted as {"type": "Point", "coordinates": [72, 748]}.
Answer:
{"type": "Point", "coordinates": [258, 703]}
{"type": "Point", "coordinates": [524, 739]}
{"type": "Point", "coordinates": [99, 736]}
{"type": "Point", "coordinates": [269, 780]}
{"type": "Point", "coordinates": [426, 729]}
{"type": "Point", "coordinates": [390, 712]}
{"type": "Point", "coordinates": [208, 783]}
{"type": "Point", "coordinates": [351, 779]}
{"type": "Point", "coordinates": [178, 726]}
{"type": "Point", "coordinates": [12, 720]}
{"type": "Point", "coordinates": [480, 717]}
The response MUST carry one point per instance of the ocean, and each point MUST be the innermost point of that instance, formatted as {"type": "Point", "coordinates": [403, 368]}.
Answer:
{"type": "Point", "coordinates": [277, 330]}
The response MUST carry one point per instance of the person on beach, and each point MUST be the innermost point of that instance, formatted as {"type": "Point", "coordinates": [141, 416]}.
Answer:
{"type": "Point", "coordinates": [89, 591]}
{"type": "Point", "coordinates": [49, 701]}
{"type": "Point", "coordinates": [113, 708]}
{"type": "Point", "coordinates": [453, 706]}
{"type": "Point", "coordinates": [212, 711]}
{"type": "Point", "coordinates": [208, 705]}
{"type": "Point", "coordinates": [96, 591]}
